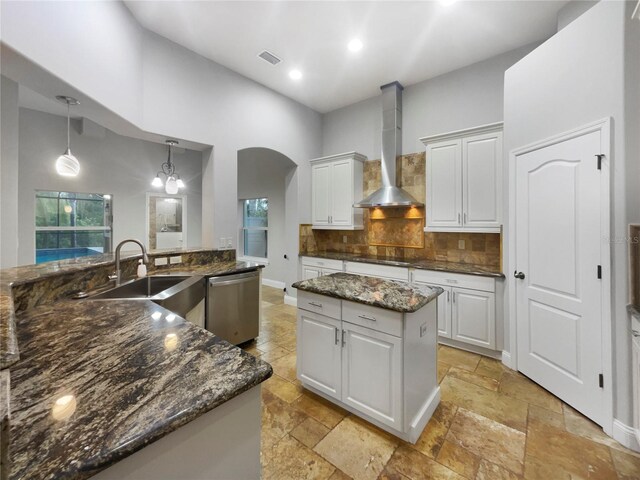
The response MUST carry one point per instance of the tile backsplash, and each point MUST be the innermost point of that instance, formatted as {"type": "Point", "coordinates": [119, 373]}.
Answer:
{"type": "Point", "coordinates": [399, 232]}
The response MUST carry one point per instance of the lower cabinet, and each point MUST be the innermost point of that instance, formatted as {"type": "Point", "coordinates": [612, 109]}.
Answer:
{"type": "Point", "coordinates": [473, 317]}
{"type": "Point", "coordinates": [466, 309]}
{"type": "Point", "coordinates": [314, 267]}
{"type": "Point", "coordinates": [320, 352]}
{"type": "Point", "coordinates": [372, 373]}
{"type": "Point", "coordinates": [380, 365]}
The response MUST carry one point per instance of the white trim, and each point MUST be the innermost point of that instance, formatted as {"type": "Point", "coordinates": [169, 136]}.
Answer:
{"type": "Point", "coordinates": [507, 360]}
{"type": "Point", "coordinates": [604, 126]}
{"type": "Point", "coordinates": [485, 352]}
{"type": "Point", "coordinates": [625, 435]}
{"type": "Point", "coordinates": [354, 155]}
{"type": "Point", "coordinates": [290, 300]}
{"type": "Point", "coordinates": [489, 127]}
{"type": "Point", "coordinates": [273, 283]}
{"type": "Point", "coordinates": [464, 229]}
{"type": "Point", "coordinates": [261, 261]}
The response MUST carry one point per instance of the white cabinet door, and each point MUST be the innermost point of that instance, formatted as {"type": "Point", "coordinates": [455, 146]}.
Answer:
{"type": "Point", "coordinates": [320, 188]}
{"type": "Point", "coordinates": [341, 189]}
{"type": "Point", "coordinates": [636, 384]}
{"type": "Point", "coordinates": [319, 352]}
{"type": "Point", "coordinates": [473, 317]}
{"type": "Point", "coordinates": [372, 374]}
{"type": "Point", "coordinates": [444, 184]}
{"type": "Point", "coordinates": [310, 272]}
{"type": "Point", "coordinates": [444, 309]}
{"type": "Point", "coordinates": [482, 180]}
{"type": "Point", "coordinates": [329, 271]}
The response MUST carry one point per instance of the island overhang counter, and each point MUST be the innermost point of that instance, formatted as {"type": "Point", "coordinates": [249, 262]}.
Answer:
{"type": "Point", "coordinates": [370, 346]}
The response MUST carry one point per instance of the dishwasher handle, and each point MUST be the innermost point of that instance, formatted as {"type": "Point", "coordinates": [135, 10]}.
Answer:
{"type": "Point", "coordinates": [233, 279]}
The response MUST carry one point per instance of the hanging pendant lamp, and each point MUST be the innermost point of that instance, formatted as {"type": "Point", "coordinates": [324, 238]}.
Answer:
{"type": "Point", "coordinates": [172, 182]}
{"type": "Point", "coordinates": [67, 165]}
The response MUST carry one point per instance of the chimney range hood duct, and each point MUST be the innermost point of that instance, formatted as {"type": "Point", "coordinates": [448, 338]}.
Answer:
{"type": "Point", "coordinates": [390, 195]}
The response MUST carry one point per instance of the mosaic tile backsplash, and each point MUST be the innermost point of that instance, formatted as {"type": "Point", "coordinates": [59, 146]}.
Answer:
{"type": "Point", "coordinates": [399, 232]}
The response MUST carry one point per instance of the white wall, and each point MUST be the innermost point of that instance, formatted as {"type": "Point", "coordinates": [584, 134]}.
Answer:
{"type": "Point", "coordinates": [467, 97]}
{"type": "Point", "coordinates": [573, 10]}
{"type": "Point", "coordinates": [577, 77]}
{"type": "Point", "coordinates": [263, 173]}
{"type": "Point", "coordinates": [162, 87]}
{"type": "Point", "coordinates": [121, 166]}
{"type": "Point", "coordinates": [8, 170]}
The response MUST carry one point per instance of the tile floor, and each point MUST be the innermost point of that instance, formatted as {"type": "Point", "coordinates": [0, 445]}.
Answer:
{"type": "Point", "coordinates": [492, 423]}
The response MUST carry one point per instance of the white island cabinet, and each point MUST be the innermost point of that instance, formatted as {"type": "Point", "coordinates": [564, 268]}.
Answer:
{"type": "Point", "coordinates": [379, 364]}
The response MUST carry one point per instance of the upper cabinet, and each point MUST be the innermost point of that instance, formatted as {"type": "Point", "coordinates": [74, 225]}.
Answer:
{"type": "Point", "coordinates": [464, 180]}
{"type": "Point", "coordinates": [336, 184]}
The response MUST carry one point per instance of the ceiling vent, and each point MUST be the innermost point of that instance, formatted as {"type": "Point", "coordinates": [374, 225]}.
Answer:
{"type": "Point", "coordinates": [269, 57]}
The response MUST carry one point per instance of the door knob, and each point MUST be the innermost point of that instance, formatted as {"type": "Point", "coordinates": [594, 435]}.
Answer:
{"type": "Point", "coordinates": [519, 275]}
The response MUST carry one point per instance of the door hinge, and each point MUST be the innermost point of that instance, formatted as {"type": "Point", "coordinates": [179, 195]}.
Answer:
{"type": "Point", "coordinates": [601, 380]}
{"type": "Point", "coordinates": [600, 156]}
{"type": "Point", "coordinates": [599, 271]}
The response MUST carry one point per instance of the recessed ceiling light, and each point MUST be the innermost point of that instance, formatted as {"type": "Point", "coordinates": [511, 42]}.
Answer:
{"type": "Point", "coordinates": [355, 45]}
{"type": "Point", "coordinates": [446, 3]}
{"type": "Point", "coordinates": [295, 74]}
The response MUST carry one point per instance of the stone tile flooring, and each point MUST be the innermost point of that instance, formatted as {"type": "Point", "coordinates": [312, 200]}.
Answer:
{"type": "Point", "coordinates": [492, 423]}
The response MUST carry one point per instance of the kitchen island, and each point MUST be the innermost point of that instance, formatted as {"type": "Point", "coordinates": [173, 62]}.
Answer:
{"type": "Point", "coordinates": [125, 388]}
{"type": "Point", "coordinates": [370, 346]}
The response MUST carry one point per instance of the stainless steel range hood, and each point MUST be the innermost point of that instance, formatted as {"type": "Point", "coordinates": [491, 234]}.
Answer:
{"type": "Point", "coordinates": [390, 195]}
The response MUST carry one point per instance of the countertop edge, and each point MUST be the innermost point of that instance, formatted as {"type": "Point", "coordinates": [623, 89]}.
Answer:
{"type": "Point", "coordinates": [403, 264]}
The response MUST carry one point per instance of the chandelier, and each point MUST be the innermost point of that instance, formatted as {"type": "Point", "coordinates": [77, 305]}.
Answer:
{"type": "Point", "coordinates": [172, 181]}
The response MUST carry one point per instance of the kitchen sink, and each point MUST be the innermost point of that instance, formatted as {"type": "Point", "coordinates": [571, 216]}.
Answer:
{"type": "Point", "coordinates": [178, 293]}
{"type": "Point", "coordinates": [143, 287]}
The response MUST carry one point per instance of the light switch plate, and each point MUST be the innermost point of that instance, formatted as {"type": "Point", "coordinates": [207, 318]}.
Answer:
{"type": "Point", "coordinates": [460, 244]}
{"type": "Point", "coordinates": [174, 260]}
{"type": "Point", "coordinates": [230, 242]}
{"type": "Point", "coordinates": [160, 261]}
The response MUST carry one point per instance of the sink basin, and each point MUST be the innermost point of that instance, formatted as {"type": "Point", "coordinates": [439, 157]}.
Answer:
{"type": "Point", "coordinates": [143, 287]}
{"type": "Point", "coordinates": [178, 293]}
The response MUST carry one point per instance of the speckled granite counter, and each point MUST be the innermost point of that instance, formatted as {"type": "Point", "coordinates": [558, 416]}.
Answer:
{"type": "Point", "coordinates": [28, 286]}
{"type": "Point", "coordinates": [99, 380]}
{"type": "Point", "coordinates": [387, 294]}
{"type": "Point", "coordinates": [467, 269]}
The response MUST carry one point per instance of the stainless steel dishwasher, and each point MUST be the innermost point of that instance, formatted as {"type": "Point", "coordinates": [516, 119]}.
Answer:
{"type": "Point", "coordinates": [233, 306]}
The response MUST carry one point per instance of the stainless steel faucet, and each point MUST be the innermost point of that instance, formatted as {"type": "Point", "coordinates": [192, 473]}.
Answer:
{"type": "Point", "coordinates": [145, 258]}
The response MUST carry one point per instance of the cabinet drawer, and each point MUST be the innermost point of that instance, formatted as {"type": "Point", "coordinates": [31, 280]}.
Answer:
{"type": "Point", "coordinates": [321, 304]}
{"type": "Point", "coordinates": [386, 321]}
{"type": "Point", "coordinates": [322, 263]}
{"type": "Point", "coordinates": [381, 271]}
{"type": "Point", "coordinates": [474, 282]}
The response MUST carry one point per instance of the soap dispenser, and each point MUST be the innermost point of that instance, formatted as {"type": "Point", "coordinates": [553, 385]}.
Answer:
{"type": "Point", "coordinates": [142, 269]}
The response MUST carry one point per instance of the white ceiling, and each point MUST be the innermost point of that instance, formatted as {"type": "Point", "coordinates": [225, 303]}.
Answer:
{"type": "Point", "coordinates": [408, 41]}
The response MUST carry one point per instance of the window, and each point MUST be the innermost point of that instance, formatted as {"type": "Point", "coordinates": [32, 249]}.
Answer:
{"type": "Point", "coordinates": [70, 225]}
{"type": "Point", "coordinates": [255, 227]}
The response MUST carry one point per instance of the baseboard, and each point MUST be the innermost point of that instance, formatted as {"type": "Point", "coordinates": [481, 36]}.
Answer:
{"type": "Point", "coordinates": [424, 415]}
{"type": "Point", "coordinates": [469, 348]}
{"type": "Point", "coordinates": [506, 359]}
{"type": "Point", "coordinates": [289, 300]}
{"type": "Point", "coordinates": [625, 435]}
{"type": "Point", "coordinates": [273, 283]}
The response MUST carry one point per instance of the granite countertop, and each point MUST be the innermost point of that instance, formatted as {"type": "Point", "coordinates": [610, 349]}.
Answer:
{"type": "Point", "coordinates": [99, 380]}
{"type": "Point", "coordinates": [451, 267]}
{"type": "Point", "coordinates": [387, 294]}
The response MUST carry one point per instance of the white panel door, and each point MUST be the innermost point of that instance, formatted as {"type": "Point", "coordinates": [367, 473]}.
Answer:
{"type": "Point", "coordinates": [559, 301]}
{"type": "Point", "coordinates": [320, 188]}
{"type": "Point", "coordinates": [319, 352]}
{"type": "Point", "coordinates": [372, 374]}
{"type": "Point", "coordinates": [310, 272]}
{"type": "Point", "coordinates": [473, 317]}
{"type": "Point", "coordinates": [341, 193]}
{"type": "Point", "coordinates": [482, 180]}
{"type": "Point", "coordinates": [444, 184]}
{"type": "Point", "coordinates": [444, 310]}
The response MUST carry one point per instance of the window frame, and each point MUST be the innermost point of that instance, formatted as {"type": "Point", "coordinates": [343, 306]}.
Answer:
{"type": "Point", "coordinates": [241, 243]}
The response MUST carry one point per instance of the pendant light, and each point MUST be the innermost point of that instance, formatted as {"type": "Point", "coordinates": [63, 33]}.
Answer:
{"type": "Point", "coordinates": [172, 182]}
{"type": "Point", "coordinates": [67, 165]}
